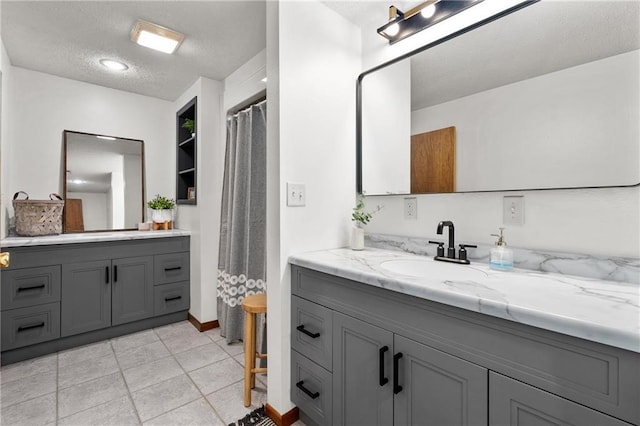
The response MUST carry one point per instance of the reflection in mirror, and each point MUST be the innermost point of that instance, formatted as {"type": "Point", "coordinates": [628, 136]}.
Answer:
{"type": "Point", "coordinates": [544, 97]}
{"type": "Point", "coordinates": [104, 183]}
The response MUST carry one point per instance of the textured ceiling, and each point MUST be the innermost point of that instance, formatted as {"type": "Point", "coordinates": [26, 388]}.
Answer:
{"type": "Point", "coordinates": [68, 38]}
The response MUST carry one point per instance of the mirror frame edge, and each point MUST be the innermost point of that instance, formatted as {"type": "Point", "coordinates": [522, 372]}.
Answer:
{"type": "Point", "coordinates": [408, 55]}
{"type": "Point", "coordinates": [64, 180]}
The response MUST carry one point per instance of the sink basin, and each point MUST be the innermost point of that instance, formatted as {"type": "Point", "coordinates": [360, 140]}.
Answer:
{"type": "Point", "coordinates": [431, 269]}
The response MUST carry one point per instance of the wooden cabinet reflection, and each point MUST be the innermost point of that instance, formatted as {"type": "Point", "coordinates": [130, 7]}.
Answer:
{"type": "Point", "coordinates": [433, 161]}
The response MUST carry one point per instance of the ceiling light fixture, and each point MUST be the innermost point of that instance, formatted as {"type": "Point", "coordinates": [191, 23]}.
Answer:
{"type": "Point", "coordinates": [156, 37]}
{"type": "Point", "coordinates": [402, 25]}
{"type": "Point", "coordinates": [113, 65]}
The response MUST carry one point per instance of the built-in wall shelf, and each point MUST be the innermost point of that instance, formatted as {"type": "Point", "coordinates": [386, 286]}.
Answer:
{"type": "Point", "coordinates": [186, 154]}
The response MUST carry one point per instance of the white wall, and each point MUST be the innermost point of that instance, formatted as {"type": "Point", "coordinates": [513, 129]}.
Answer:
{"type": "Point", "coordinates": [313, 60]}
{"type": "Point", "coordinates": [5, 148]}
{"type": "Point", "coordinates": [41, 106]}
{"type": "Point", "coordinates": [203, 219]}
{"type": "Point", "coordinates": [549, 131]}
{"type": "Point", "coordinates": [591, 221]}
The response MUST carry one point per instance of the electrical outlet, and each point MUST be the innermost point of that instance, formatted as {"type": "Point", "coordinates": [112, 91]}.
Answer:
{"type": "Point", "coordinates": [411, 208]}
{"type": "Point", "coordinates": [513, 210]}
{"type": "Point", "coordinates": [296, 194]}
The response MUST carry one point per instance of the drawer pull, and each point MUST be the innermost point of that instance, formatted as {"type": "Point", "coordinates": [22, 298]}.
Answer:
{"type": "Point", "coordinates": [383, 380]}
{"type": "Point", "coordinates": [34, 287]}
{"type": "Point", "coordinates": [29, 327]}
{"type": "Point", "coordinates": [312, 395]}
{"type": "Point", "coordinates": [106, 272]}
{"type": "Point", "coordinates": [169, 299]}
{"type": "Point", "coordinates": [175, 268]}
{"type": "Point", "coordinates": [396, 387]}
{"type": "Point", "coordinates": [301, 329]}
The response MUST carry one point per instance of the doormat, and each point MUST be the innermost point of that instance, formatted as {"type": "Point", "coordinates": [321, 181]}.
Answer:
{"type": "Point", "coordinates": [257, 417]}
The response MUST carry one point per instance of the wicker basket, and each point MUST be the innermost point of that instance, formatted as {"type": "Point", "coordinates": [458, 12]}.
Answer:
{"type": "Point", "coordinates": [38, 217]}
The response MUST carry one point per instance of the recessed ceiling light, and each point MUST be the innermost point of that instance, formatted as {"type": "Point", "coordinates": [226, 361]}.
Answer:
{"type": "Point", "coordinates": [113, 65]}
{"type": "Point", "coordinates": [264, 80]}
{"type": "Point", "coordinates": [156, 37]}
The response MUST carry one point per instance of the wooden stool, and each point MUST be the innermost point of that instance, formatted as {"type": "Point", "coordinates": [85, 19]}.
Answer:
{"type": "Point", "coordinates": [252, 305]}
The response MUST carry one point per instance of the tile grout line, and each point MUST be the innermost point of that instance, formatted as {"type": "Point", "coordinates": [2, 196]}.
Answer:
{"type": "Point", "coordinates": [129, 394]}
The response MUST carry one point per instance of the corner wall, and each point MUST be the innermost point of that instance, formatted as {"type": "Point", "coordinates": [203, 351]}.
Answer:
{"type": "Point", "coordinates": [313, 60]}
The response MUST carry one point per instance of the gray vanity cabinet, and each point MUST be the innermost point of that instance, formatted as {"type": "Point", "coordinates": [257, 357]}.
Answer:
{"type": "Point", "coordinates": [86, 297]}
{"type": "Point", "coordinates": [358, 397]}
{"type": "Point", "coordinates": [437, 388]}
{"type": "Point", "coordinates": [402, 360]}
{"type": "Point", "coordinates": [132, 289]}
{"type": "Point", "coordinates": [56, 297]}
{"type": "Point", "coordinates": [517, 404]}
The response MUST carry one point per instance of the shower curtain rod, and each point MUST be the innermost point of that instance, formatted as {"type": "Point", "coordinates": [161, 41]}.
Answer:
{"type": "Point", "coordinates": [247, 107]}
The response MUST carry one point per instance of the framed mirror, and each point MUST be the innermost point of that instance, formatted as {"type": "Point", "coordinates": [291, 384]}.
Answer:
{"type": "Point", "coordinates": [544, 96]}
{"type": "Point", "coordinates": [103, 182]}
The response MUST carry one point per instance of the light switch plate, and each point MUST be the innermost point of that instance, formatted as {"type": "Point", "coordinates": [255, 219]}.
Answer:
{"type": "Point", "coordinates": [296, 194]}
{"type": "Point", "coordinates": [513, 210]}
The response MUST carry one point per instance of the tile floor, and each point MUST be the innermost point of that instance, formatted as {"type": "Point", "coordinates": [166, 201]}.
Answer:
{"type": "Point", "coordinates": [171, 375]}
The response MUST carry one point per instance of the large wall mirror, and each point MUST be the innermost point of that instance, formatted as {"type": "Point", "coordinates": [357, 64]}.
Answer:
{"type": "Point", "coordinates": [103, 182]}
{"type": "Point", "coordinates": [546, 96]}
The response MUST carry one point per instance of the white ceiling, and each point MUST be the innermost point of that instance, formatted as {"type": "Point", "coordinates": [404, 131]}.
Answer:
{"type": "Point", "coordinates": [68, 38]}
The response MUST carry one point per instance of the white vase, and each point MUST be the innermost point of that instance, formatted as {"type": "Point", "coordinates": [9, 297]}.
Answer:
{"type": "Point", "coordinates": [357, 238]}
{"type": "Point", "coordinates": [162, 216]}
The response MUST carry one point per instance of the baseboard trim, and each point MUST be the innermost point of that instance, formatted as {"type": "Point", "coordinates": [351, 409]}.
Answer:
{"type": "Point", "coordinates": [286, 419]}
{"type": "Point", "coordinates": [210, 325]}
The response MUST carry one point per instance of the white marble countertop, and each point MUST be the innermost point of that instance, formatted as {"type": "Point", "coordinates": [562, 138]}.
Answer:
{"type": "Point", "coordinates": [89, 237]}
{"type": "Point", "coordinates": [607, 312]}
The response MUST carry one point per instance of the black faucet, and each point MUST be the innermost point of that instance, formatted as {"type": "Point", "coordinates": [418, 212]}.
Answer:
{"type": "Point", "coordinates": [451, 250]}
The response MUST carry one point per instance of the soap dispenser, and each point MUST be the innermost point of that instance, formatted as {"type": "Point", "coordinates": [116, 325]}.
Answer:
{"type": "Point", "coordinates": [501, 255]}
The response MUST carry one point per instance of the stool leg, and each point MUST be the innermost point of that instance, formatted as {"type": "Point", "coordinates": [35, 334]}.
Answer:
{"type": "Point", "coordinates": [249, 355]}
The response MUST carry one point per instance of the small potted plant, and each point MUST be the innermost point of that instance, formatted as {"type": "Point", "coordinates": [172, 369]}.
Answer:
{"type": "Point", "coordinates": [162, 211]}
{"type": "Point", "coordinates": [361, 218]}
{"type": "Point", "coordinates": [190, 125]}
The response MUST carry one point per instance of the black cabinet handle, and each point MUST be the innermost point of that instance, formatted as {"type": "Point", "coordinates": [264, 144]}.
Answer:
{"type": "Point", "coordinates": [169, 299]}
{"type": "Point", "coordinates": [34, 287]}
{"type": "Point", "coordinates": [29, 327]}
{"type": "Point", "coordinates": [312, 395]}
{"type": "Point", "coordinates": [396, 359]}
{"type": "Point", "coordinates": [115, 273]}
{"type": "Point", "coordinates": [106, 271]}
{"type": "Point", "coordinates": [301, 329]}
{"type": "Point", "coordinates": [383, 380]}
{"type": "Point", "coordinates": [175, 268]}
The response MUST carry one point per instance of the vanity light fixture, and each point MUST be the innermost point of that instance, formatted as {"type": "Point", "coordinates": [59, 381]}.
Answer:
{"type": "Point", "coordinates": [402, 25]}
{"type": "Point", "coordinates": [113, 65]}
{"type": "Point", "coordinates": [156, 37]}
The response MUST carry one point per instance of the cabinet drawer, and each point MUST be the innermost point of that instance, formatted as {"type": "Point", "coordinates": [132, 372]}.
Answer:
{"type": "Point", "coordinates": [311, 329]}
{"type": "Point", "coordinates": [171, 268]}
{"type": "Point", "coordinates": [311, 389]}
{"type": "Point", "coordinates": [26, 326]}
{"type": "Point", "coordinates": [515, 403]}
{"type": "Point", "coordinates": [30, 286]}
{"type": "Point", "coordinates": [169, 298]}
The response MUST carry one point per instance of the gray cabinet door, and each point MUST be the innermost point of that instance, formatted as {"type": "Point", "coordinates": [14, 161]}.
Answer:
{"type": "Point", "coordinates": [517, 404]}
{"type": "Point", "coordinates": [437, 388]}
{"type": "Point", "coordinates": [358, 396]}
{"type": "Point", "coordinates": [86, 297]}
{"type": "Point", "coordinates": [132, 289]}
